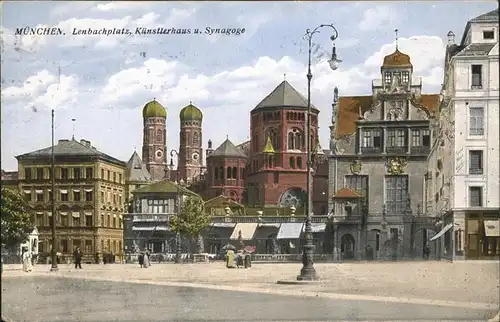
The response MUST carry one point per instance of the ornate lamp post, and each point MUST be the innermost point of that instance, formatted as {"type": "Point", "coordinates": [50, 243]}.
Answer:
{"type": "Point", "coordinates": [308, 273]}
{"type": "Point", "coordinates": [53, 251]}
{"type": "Point", "coordinates": [178, 251]}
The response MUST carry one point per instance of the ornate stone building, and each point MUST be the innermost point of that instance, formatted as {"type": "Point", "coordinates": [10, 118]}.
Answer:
{"type": "Point", "coordinates": [190, 148]}
{"type": "Point", "coordinates": [276, 172]}
{"type": "Point", "coordinates": [378, 161]}
{"type": "Point", "coordinates": [90, 196]}
{"type": "Point", "coordinates": [154, 147]}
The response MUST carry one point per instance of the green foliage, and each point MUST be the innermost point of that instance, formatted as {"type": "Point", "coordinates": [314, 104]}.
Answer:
{"type": "Point", "coordinates": [193, 218]}
{"type": "Point", "coordinates": [17, 218]}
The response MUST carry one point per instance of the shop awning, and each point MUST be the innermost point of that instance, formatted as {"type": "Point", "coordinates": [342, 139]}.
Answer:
{"type": "Point", "coordinates": [223, 224]}
{"type": "Point", "coordinates": [441, 233]}
{"type": "Point", "coordinates": [316, 227]}
{"type": "Point", "coordinates": [290, 231]}
{"type": "Point", "coordinates": [158, 228]}
{"type": "Point", "coordinates": [492, 228]}
{"type": "Point", "coordinates": [247, 231]}
{"type": "Point", "coordinates": [270, 224]}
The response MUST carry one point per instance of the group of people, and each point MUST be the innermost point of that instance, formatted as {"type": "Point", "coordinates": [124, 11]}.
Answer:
{"type": "Point", "coordinates": [144, 259]}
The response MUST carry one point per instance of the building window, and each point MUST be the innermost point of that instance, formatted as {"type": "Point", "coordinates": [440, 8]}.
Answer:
{"type": "Point", "coordinates": [276, 177]}
{"type": "Point", "coordinates": [64, 219]}
{"type": "Point", "coordinates": [476, 120]}
{"type": "Point", "coordinates": [426, 138]}
{"type": "Point", "coordinates": [39, 196]}
{"type": "Point", "coordinates": [114, 221]}
{"type": "Point", "coordinates": [158, 136]}
{"type": "Point", "coordinates": [416, 140]}
{"type": "Point", "coordinates": [242, 173]}
{"type": "Point", "coordinates": [299, 162]}
{"type": "Point", "coordinates": [477, 76]}
{"type": "Point", "coordinates": [229, 173]}
{"type": "Point", "coordinates": [114, 176]}
{"type": "Point", "coordinates": [295, 140]}
{"type": "Point", "coordinates": [401, 138]}
{"type": "Point", "coordinates": [391, 138]}
{"type": "Point", "coordinates": [39, 219]}
{"type": "Point", "coordinates": [88, 221]}
{"type": "Point", "coordinates": [102, 174]}
{"type": "Point", "coordinates": [372, 139]}
{"type": "Point", "coordinates": [77, 173]}
{"type": "Point", "coordinates": [76, 195]}
{"type": "Point", "coordinates": [475, 196]}
{"type": "Point", "coordinates": [76, 220]}
{"type": "Point", "coordinates": [216, 173]}
{"type": "Point", "coordinates": [39, 173]}
{"type": "Point", "coordinates": [358, 184]}
{"type": "Point", "coordinates": [120, 178]}
{"type": "Point", "coordinates": [49, 172]}
{"type": "Point", "coordinates": [272, 134]}
{"type": "Point", "coordinates": [89, 173]}
{"type": "Point", "coordinates": [406, 77]}
{"type": "Point", "coordinates": [88, 247]}
{"type": "Point", "coordinates": [387, 78]}
{"type": "Point", "coordinates": [396, 193]}
{"type": "Point", "coordinates": [475, 162]}
{"type": "Point", "coordinates": [108, 175]}
{"type": "Point", "coordinates": [221, 173]}
{"type": "Point", "coordinates": [292, 162]}
{"type": "Point", "coordinates": [88, 195]}
{"type": "Point", "coordinates": [488, 34]}
{"type": "Point", "coordinates": [64, 195]}
{"type": "Point", "coordinates": [420, 138]}
{"type": "Point", "coordinates": [367, 139]}
{"type": "Point", "coordinates": [64, 174]}
{"type": "Point", "coordinates": [27, 174]}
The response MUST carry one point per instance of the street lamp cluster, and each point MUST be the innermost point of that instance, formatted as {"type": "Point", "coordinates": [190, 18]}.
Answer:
{"type": "Point", "coordinates": [308, 272]}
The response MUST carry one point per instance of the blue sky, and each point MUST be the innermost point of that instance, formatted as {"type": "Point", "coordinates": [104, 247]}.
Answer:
{"type": "Point", "coordinates": [105, 81]}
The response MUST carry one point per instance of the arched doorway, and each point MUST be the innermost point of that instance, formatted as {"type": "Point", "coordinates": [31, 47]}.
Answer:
{"type": "Point", "coordinates": [347, 246]}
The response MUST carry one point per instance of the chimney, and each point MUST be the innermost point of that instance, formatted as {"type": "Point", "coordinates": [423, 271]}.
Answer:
{"type": "Point", "coordinates": [86, 143]}
{"type": "Point", "coordinates": [62, 140]}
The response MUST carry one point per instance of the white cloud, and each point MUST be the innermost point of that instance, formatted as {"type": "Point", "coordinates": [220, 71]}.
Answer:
{"type": "Point", "coordinates": [120, 6]}
{"type": "Point", "coordinates": [44, 90]}
{"type": "Point", "coordinates": [374, 18]}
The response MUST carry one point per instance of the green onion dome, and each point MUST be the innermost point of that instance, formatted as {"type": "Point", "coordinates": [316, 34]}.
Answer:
{"type": "Point", "coordinates": [154, 109]}
{"type": "Point", "coordinates": [191, 113]}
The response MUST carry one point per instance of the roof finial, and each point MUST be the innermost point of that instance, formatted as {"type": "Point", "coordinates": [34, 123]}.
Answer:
{"type": "Point", "coordinates": [73, 120]}
{"type": "Point", "coordinates": [135, 148]}
{"type": "Point", "coordinates": [396, 31]}
{"type": "Point", "coordinates": [284, 77]}
{"type": "Point", "coordinates": [154, 99]}
{"type": "Point", "coordinates": [190, 102]}
{"type": "Point", "coordinates": [227, 137]}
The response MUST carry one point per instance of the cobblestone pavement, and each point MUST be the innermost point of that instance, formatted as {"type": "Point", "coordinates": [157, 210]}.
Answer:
{"type": "Point", "coordinates": [34, 298]}
{"type": "Point", "coordinates": [471, 282]}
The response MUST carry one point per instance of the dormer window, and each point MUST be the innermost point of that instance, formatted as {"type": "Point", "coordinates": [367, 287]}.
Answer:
{"type": "Point", "coordinates": [405, 77]}
{"type": "Point", "coordinates": [488, 34]}
{"type": "Point", "coordinates": [387, 78]}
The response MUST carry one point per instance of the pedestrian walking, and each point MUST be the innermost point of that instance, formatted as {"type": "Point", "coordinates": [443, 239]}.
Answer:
{"type": "Point", "coordinates": [78, 257]}
{"type": "Point", "coordinates": [427, 252]}
{"type": "Point", "coordinates": [141, 259]}
{"type": "Point", "coordinates": [146, 259]}
{"type": "Point", "coordinates": [26, 258]}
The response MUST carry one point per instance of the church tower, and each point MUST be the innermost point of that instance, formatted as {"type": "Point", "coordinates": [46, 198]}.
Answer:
{"type": "Point", "coordinates": [190, 150]}
{"type": "Point", "coordinates": [154, 145]}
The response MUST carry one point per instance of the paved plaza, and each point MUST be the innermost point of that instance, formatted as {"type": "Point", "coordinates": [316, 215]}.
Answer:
{"type": "Point", "coordinates": [349, 291]}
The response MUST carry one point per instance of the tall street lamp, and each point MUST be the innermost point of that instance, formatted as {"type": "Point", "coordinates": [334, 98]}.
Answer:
{"type": "Point", "coordinates": [308, 273]}
{"type": "Point", "coordinates": [53, 252]}
{"type": "Point", "coordinates": [178, 251]}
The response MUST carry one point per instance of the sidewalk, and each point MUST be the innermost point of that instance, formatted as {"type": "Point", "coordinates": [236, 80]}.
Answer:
{"type": "Point", "coordinates": [472, 282]}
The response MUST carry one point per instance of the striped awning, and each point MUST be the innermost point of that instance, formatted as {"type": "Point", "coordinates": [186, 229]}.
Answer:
{"type": "Point", "coordinates": [157, 228]}
{"type": "Point", "coordinates": [223, 224]}
{"type": "Point", "coordinates": [270, 224]}
{"type": "Point", "coordinates": [290, 231]}
{"type": "Point", "coordinates": [247, 231]}
{"type": "Point", "coordinates": [316, 227]}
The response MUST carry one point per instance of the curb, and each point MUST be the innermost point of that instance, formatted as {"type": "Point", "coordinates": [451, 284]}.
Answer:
{"type": "Point", "coordinates": [274, 291]}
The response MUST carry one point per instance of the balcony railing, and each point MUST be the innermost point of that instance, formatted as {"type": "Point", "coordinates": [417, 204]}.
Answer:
{"type": "Point", "coordinates": [396, 149]}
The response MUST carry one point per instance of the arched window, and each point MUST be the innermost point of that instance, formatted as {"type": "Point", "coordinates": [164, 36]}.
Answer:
{"type": "Point", "coordinates": [295, 140]}
{"type": "Point", "coordinates": [242, 173]}
{"type": "Point", "coordinates": [228, 173]}
{"type": "Point", "coordinates": [235, 173]}
{"type": "Point", "coordinates": [159, 136]}
{"type": "Point", "coordinates": [299, 162]}
{"type": "Point", "coordinates": [195, 138]}
{"type": "Point", "coordinates": [272, 133]}
{"type": "Point", "coordinates": [221, 173]}
{"type": "Point", "coordinates": [216, 173]}
{"type": "Point", "coordinates": [292, 162]}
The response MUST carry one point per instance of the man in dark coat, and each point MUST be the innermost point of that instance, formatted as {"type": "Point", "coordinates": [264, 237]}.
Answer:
{"type": "Point", "coordinates": [78, 258]}
{"type": "Point", "coordinates": [141, 259]}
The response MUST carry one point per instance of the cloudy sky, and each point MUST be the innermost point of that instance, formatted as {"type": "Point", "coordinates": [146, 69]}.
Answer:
{"type": "Point", "coordinates": [104, 81]}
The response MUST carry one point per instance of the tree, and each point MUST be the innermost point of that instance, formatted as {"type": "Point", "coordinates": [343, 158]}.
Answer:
{"type": "Point", "coordinates": [17, 220]}
{"type": "Point", "coordinates": [192, 219]}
